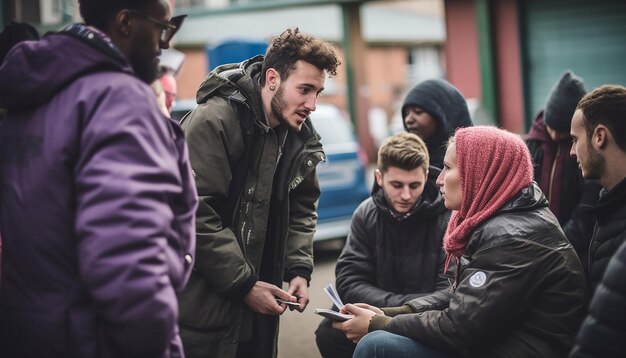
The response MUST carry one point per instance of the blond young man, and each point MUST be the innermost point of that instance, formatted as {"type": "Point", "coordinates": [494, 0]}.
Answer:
{"type": "Point", "coordinates": [393, 251]}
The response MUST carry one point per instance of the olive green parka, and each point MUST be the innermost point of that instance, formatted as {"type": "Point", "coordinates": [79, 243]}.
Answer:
{"type": "Point", "coordinates": [234, 223]}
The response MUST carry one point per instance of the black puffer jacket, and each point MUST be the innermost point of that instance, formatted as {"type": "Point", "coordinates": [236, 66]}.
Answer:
{"type": "Point", "coordinates": [389, 260]}
{"type": "Point", "coordinates": [603, 331]}
{"type": "Point", "coordinates": [521, 290]}
{"type": "Point", "coordinates": [609, 232]}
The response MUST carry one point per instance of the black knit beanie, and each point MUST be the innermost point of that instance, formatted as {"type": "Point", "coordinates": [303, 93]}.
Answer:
{"type": "Point", "coordinates": [562, 101]}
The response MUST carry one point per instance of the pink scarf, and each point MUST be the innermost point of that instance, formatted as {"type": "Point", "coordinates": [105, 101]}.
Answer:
{"type": "Point", "coordinates": [494, 165]}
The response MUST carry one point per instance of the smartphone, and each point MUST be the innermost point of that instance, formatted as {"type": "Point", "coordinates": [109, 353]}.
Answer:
{"type": "Point", "coordinates": [288, 303]}
{"type": "Point", "coordinates": [333, 315]}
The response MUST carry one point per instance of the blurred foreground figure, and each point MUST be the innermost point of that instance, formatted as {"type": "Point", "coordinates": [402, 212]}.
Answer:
{"type": "Point", "coordinates": [97, 199]}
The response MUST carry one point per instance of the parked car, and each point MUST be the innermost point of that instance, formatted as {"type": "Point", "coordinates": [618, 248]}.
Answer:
{"type": "Point", "coordinates": [182, 107]}
{"type": "Point", "coordinates": [341, 175]}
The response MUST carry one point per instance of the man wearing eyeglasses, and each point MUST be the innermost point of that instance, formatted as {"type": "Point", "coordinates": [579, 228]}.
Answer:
{"type": "Point", "coordinates": [97, 199]}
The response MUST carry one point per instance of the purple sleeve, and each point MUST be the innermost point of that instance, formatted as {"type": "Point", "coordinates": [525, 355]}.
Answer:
{"type": "Point", "coordinates": [127, 183]}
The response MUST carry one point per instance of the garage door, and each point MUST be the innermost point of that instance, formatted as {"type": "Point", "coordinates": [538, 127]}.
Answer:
{"type": "Point", "coordinates": [588, 37]}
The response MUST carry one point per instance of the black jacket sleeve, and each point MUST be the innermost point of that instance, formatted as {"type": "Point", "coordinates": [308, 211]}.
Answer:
{"type": "Point", "coordinates": [604, 330]}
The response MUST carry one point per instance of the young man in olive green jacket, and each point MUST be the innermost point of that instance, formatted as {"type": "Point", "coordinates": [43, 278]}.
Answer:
{"type": "Point", "coordinates": [254, 153]}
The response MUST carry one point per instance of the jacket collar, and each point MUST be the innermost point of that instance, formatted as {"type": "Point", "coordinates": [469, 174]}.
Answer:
{"type": "Point", "coordinates": [611, 201]}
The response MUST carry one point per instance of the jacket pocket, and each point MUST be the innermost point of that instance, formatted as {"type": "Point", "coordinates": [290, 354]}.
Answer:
{"type": "Point", "coordinates": [201, 308]}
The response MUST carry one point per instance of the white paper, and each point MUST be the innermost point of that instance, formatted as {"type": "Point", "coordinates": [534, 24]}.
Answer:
{"type": "Point", "coordinates": [334, 296]}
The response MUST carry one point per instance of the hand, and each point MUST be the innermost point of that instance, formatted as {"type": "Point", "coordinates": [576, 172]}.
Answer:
{"type": "Point", "coordinates": [355, 328]}
{"type": "Point", "coordinates": [262, 298]}
{"type": "Point", "coordinates": [370, 307]}
{"type": "Point", "coordinates": [298, 287]}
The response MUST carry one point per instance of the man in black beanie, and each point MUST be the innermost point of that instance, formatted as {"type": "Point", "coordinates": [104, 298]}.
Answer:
{"type": "Point", "coordinates": [556, 172]}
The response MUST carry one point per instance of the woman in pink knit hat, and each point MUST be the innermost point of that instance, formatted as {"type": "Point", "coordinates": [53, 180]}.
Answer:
{"type": "Point", "coordinates": [519, 288]}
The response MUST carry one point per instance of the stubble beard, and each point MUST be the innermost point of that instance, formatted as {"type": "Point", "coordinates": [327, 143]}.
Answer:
{"type": "Point", "coordinates": [596, 163]}
{"type": "Point", "coordinates": [278, 106]}
{"type": "Point", "coordinates": [147, 72]}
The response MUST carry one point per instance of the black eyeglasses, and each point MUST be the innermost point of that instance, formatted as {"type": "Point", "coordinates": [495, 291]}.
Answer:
{"type": "Point", "coordinates": [168, 29]}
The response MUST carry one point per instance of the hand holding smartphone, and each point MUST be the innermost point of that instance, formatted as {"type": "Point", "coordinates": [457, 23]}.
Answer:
{"type": "Point", "coordinates": [333, 315]}
{"type": "Point", "coordinates": [288, 303]}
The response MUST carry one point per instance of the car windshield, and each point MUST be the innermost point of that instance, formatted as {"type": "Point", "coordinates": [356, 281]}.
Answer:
{"type": "Point", "coordinates": [331, 125]}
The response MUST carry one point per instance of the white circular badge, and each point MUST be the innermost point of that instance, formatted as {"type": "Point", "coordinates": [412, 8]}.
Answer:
{"type": "Point", "coordinates": [478, 279]}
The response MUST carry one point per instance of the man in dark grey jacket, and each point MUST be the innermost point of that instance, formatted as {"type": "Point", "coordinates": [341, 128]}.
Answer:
{"type": "Point", "coordinates": [599, 132]}
{"type": "Point", "coordinates": [393, 252]}
{"type": "Point", "coordinates": [599, 135]}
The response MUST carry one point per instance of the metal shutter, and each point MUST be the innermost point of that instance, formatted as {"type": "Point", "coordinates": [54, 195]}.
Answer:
{"type": "Point", "coordinates": [588, 37]}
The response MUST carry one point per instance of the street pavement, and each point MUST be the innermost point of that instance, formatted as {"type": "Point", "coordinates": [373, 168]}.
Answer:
{"type": "Point", "coordinates": [297, 330]}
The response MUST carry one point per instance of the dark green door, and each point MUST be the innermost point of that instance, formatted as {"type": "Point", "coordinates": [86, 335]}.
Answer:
{"type": "Point", "coordinates": [588, 37]}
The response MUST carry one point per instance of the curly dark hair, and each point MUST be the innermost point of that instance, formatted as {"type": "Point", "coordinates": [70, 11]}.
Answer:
{"type": "Point", "coordinates": [292, 45]}
{"type": "Point", "coordinates": [606, 105]}
{"type": "Point", "coordinates": [99, 12]}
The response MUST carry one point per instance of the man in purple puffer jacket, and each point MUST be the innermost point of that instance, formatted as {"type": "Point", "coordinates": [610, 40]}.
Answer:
{"type": "Point", "coordinates": [97, 199]}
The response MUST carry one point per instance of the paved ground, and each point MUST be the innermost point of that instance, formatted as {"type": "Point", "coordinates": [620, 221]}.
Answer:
{"type": "Point", "coordinates": [297, 337]}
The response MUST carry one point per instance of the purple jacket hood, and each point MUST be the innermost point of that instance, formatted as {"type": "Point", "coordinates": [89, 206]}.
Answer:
{"type": "Point", "coordinates": [34, 71]}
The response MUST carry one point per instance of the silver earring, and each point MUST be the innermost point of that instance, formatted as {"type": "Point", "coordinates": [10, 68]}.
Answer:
{"type": "Point", "coordinates": [272, 87]}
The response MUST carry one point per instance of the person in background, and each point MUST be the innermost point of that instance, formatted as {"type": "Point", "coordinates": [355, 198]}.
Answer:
{"type": "Point", "coordinates": [160, 96]}
{"type": "Point", "coordinates": [97, 198]}
{"type": "Point", "coordinates": [599, 146]}
{"type": "Point", "coordinates": [556, 172]}
{"type": "Point", "coordinates": [519, 287]}
{"type": "Point", "coordinates": [433, 110]}
{"type": "Point", "coordinates": [254, 153]}
{"type": "Point", "coordinates": [14, 33]}
{"type": "Point", "coordinates": [393, 251]}
{"type": "Point", "coordinates": [168, 83]}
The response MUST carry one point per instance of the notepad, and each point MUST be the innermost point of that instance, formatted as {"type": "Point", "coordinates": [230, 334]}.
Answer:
{"type": "Point", "coordinates": [332, 314]}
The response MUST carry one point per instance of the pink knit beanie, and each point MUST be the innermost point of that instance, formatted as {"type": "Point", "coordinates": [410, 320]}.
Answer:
{"type": "Point", "coordinates": [494, 165]}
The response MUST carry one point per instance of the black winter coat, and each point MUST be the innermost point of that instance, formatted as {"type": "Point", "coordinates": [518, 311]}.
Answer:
{"type": "Point", "coordinates": [387, 260]}
{"type": "Point", "coordinates": [609, 232]}
{"type": "Point", "coordinates": [603, 332]}
{"type": "Point", "coordinates": [521, 290]}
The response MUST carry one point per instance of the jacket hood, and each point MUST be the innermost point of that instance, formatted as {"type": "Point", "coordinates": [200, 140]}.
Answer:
{"type": "Point", "coordinates": [538, 130]}
{"type": "Point", "coordinates": [445, 104]}
{"type": "Point", "coordinates": [531, 197]}
{"type": "Point", "coordinates": [34, 71]}
{"type": "Point", "coordinates": [611, 200]}
{"type": "Point", "coordinates": [235, 80]}
{"type": "Point", "coordinates": [430, 204]}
